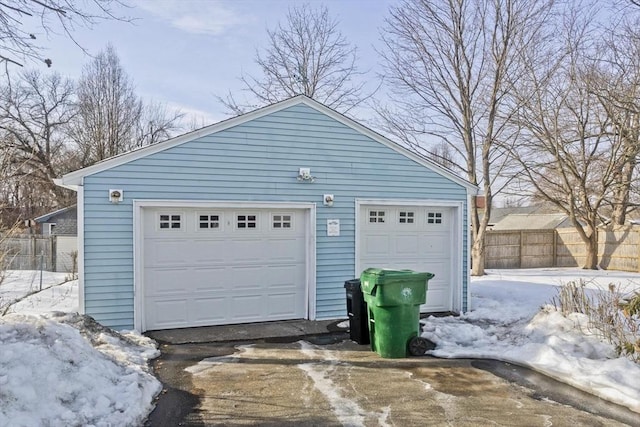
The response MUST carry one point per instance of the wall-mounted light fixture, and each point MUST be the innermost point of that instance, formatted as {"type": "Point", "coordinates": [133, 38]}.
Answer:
{"type": "Point", "coordinates": [328, 199]}
{"type": "Point", "coordinates": [116, 195]}
{"type": "Point", "coordinates": [304, 174]}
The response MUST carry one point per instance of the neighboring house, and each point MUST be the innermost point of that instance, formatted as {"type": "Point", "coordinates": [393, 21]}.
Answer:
{"type": "Point", "coordinates": [63, 224]}
{"type": "Point", "coordinates": [263, 217]}
{"type": "Point", "coordinates": [533, 221]}
{"type": "Point", "coordinates": [537, 217]}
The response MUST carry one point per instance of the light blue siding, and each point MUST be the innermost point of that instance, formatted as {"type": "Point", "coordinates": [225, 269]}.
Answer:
{"type": "Point", "coordinates": [254, 161]}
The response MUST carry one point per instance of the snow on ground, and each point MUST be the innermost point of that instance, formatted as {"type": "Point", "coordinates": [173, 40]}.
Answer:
{"type": "Point", "coordinates": [511, 320]}
{"type": "Point", "coordinates": [19, 283]}
{"type": "Point", "coordinates": [63, 369]}
{"type": "Point", "coordinates": [57, 294]}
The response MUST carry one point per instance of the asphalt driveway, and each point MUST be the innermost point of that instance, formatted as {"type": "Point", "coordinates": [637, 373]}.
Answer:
{"type": "Point", "coordinates": [311, 374]}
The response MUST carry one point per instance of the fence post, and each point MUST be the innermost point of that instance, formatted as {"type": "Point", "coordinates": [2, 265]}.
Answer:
{"type": "Point", "coordinates": [520, 249]}
{"type": "Point", "coordinates": [33, 253]}
{"type": "Point", "coordinates": [554, 262]}
{"type": "Point", "coordinates": [53, 240]}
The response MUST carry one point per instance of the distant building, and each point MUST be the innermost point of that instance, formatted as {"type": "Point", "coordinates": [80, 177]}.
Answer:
{"type": "Point", "coordinates": [63, 222]}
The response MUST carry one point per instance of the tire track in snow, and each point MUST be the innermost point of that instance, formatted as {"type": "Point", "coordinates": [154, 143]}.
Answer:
{"type": "Point", "coordinates": [348, 412]}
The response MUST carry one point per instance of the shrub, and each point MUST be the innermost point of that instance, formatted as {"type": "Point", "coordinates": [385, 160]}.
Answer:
{"type": "Point", "coordinates": [613, 314]}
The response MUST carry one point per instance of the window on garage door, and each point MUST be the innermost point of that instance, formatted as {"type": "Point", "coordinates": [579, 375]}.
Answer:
{"type": "Point", "coordinates": [435, 217]}
{"type": "Point", "coordinates": [406, 217]}
{"type": "Point", "coordinates": [377, 216]}
{"type": "Point", "coordinates": [209, 220]}
{"type": "Point", "coordinates": [246, 221]}
{"type": "Point", "coordinates": [280, 221]}
{"type": "Point", "coordinates": [170, 221]}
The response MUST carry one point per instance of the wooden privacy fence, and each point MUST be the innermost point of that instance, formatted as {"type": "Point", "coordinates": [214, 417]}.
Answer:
{"type": "Point", "coordinates": [617, 250]}
{"type": "Point", "coordinates": [29, 252]}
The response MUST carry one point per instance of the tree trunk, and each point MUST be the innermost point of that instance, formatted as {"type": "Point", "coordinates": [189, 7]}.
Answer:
{"type": "Point", "coordinates": [477, 256]}
{"type": "Point", "coordinates": [479, 226]}
{"type": "Point", "coordinates": [621, 193]}
{"type": "Point", "coordinates": [591, 261]}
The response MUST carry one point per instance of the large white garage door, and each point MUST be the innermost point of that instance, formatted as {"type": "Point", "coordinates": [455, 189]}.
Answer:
{"type": "Point", "coordinates": [223, 266]}
{"type": "Point", "coordinates": [411, 237]}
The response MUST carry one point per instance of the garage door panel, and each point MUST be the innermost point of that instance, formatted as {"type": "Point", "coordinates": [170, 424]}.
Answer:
{"type": "Point", "coordinates": [245, 278]}
{"type": "Point", "coordinates": [196, 275]}
{"type": "Point", "coordinates": [212, 309]}
{"type": "Point", "coordinates": [167, 281]}
{"type": "Point", "coordinates": [436, 299]}
{"type": "Point", "coordinates": [280, 305]}
{"type": "Point", "coordinates": [168, 312]}
{"type": "Point", "coordinates": [164, 252]}
{"type": "Point", "coordinates": [247, 307]}
{"type": "Point", "coordinates": [209, 251]}
{"type": "Point", "coordinates": [285, 250]}
{"type": "Point", "coordinates": [435, 243]}
{"type": "Point", "coordinates": [205, 279]}
{"type": "Point", "coordinates": [376, 245]}
{"type": "Point", "coordinates": [407, 244]}
{"type": "Point", "coordinates": [441, 269]}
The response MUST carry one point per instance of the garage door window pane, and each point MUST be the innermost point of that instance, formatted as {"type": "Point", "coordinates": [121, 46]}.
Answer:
{"type": "Point", "coordinates": [281, 221]}
{"type": "Point", "coordinates": [376, 216]}
{"type": "Point", "coordinates": [246, 221]}
{"type": "Point", "coordinates": [170, 221]}
{"type": "Point", "coordinates": [209, 221]}
{"type": "Point", "coordinates": [406, 217]}
{"type": "Point", "coordinates": [434, 218]}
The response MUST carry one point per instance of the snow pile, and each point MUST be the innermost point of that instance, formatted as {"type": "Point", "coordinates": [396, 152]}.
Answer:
{"type": "Point", "coordinates": [65, 369]}
{"type": "Point", "coordinates": [510, 321]}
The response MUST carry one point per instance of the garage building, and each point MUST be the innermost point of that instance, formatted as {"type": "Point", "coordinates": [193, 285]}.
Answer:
{"type": "Point", "coordinates": [263, 217]}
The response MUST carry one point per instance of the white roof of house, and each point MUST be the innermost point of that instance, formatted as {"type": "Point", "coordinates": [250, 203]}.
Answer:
{"type": "Point", "coordinates": [530, 221]}
{"type": "Point", "coordinates": [73, 179]}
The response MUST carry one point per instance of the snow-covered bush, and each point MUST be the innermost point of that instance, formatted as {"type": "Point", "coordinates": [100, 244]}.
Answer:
{"type": "Point", "coordinates": [613, 314]}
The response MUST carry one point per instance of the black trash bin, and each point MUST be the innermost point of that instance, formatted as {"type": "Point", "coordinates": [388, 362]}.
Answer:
{"type": "Point", "coordinates": [357, 311]}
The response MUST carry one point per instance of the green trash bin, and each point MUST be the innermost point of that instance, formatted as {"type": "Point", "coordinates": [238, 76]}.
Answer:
{"type": "Point", "coordinates": [393, 300]}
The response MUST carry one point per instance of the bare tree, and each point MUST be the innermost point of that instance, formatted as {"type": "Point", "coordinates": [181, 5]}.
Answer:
{"type": "Point", "coordinates": [24, 22]}
{"type": "Point", "coordinates": [566, 148]}
{"type": "Point", "coordinates": [450, 64]}
{"type": "Point", "coordinates": [612, 73]}
{"type": "Point", "coordinates": [108, 109]}
{"type": "Point", "coordinates": [34, 112]}
{"type": "Point", "coordinates": [157, 123]}
{"type": "Point", "coordinates": [306, 55]}
{"type": "Point", "coordinates": [111, 118]}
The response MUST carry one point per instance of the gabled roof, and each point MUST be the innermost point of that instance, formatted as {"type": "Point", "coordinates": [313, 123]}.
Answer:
{"type": "Point", "coordinates": [48, 216]}
{"type": "Point", "coordinates": [74, 179]}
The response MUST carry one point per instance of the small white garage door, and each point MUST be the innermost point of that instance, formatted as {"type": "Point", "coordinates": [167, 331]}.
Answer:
{"type": "Point", "coordinates": [223, 266]}
{"type": "Point", "coordinates": [411, 237]}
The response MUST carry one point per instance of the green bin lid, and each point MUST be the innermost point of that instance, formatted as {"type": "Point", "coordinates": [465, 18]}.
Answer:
{"type": "Point", "coordinates": [386, 275]}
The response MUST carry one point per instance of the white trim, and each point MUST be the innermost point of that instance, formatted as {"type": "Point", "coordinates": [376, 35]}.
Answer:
{"type": "Point", "coordinates": [80, 243]}
{"type": "Point", "coordinates": [311, 263]}
{"type": "Point", "coordinates": [138, 267]}
{"type": "Point", "coordinates": [74, 178]}
{"type": "Point", "coordinates": [456, 255]}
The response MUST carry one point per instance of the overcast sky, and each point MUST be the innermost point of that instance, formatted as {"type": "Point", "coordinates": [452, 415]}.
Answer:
{"type": "Point", "coordinates": [184, 52]}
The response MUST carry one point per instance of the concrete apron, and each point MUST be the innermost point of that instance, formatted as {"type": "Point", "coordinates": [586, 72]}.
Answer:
{"type": "Point", "coordinates": [326, 379]}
